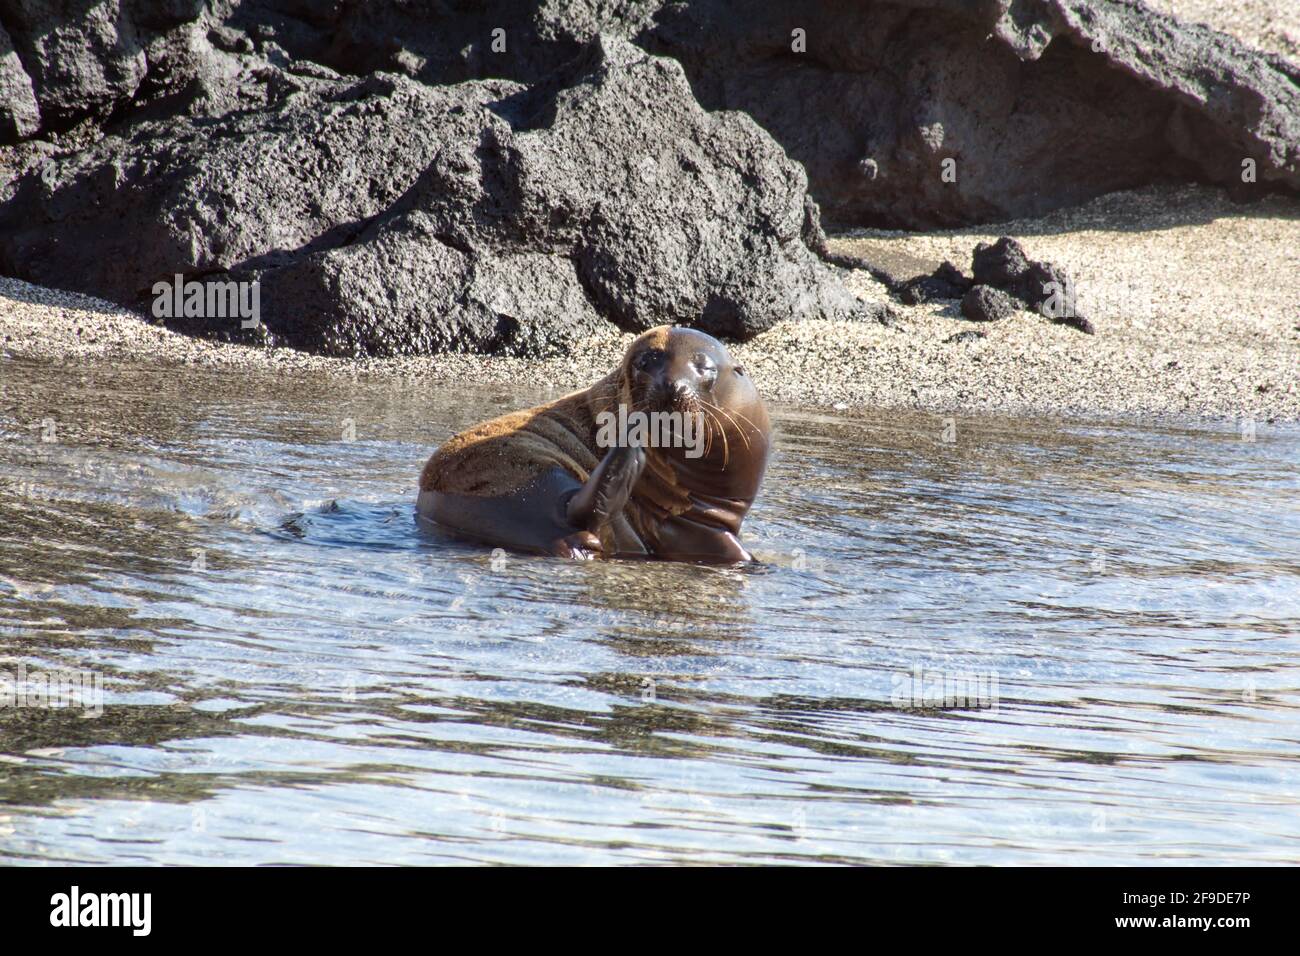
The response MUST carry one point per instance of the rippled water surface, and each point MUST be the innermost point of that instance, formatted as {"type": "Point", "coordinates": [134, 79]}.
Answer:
{"type": "Point", "coordinates": [293, 673]}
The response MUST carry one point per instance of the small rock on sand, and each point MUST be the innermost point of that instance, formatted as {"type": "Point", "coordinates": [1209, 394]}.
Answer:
{"type": "Point", "coordinates": [983, 303]}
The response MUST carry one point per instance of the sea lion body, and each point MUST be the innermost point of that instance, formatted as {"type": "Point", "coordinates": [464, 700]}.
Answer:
{"type": "Point", "coordinates": [548, 480]}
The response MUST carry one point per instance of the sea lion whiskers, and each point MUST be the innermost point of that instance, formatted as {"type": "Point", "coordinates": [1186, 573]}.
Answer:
{"type": "Point", "coordinates": [694, 405]}
{"type": "Point", "coordinates": [726, 446]}
{"type": "Point", "coordinates": [731, 415]}
{"type": "Point", "coordinates": [743, 435]}
{"type": "Point", "coordinates": [718, 409]}
{"type": "Point", "coordinates": [711, 418]}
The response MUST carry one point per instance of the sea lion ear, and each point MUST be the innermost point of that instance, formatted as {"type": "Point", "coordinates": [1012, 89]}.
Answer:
{"type": "Point", "coordinates": [738, 369]}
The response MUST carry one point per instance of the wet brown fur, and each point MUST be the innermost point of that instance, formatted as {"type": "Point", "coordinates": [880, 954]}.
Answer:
{"type": "Point", "coordinates": [502, 455]}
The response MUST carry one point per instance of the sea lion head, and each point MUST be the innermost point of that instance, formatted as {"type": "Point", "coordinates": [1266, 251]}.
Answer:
{"type": "Point", "coordinates": [670, 369]}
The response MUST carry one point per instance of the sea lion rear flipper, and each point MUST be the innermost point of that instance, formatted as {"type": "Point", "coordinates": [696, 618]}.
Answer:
{"type": "Point", "coordinates": [598, 501]}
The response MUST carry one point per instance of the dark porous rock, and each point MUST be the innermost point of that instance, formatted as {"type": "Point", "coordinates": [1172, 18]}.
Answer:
{"type": "Point", "coordinates": [382, 215]}
{"type": "Point", "coordinates": [669, 213]}
{"type": "Point", "coordinates": [1002, 264]}
{"type": "Point", "coordinates": [1043, 287]}
{"type": "Point", "coordinates": [404, 288]}
{"type": "Point", "coordinates": [1042, 282]}
{"type": "Point", "coordinates": [984, 303]}
{"type": "Point", "coordinates": [1039, 104]}
{"type": "Point", "coordinates": [62, 61]}
{"type": "Point", "coordinates": [20, 115]}
{"type": "Point", "coordinates": [565, 208]}
{"type": "Point", "coordinates": [946, 283]}
{"type": "Point", "coordinates": [251, 188]}
{"type": "Point", "coordinates": [953, 276]}
{"type": "Point", "coordinates": [80, 58]}
{"type": "Point", "coordinates": [444, 42]}
{"type": "Point", "coordinates": [905, 113]}
{"type": "Point", "coordinates": [924, 289]}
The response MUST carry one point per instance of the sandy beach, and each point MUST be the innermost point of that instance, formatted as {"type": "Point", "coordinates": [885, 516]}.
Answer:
{"type": "Point", "coordinates": [1195, 299]}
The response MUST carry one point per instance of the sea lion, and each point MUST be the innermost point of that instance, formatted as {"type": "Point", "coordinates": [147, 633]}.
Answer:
{"type": "Point", "coordinates": [559, 479]}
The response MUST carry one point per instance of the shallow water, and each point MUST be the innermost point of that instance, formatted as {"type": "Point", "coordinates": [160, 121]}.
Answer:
{"type": "Point", "coordinates": [292, 673]}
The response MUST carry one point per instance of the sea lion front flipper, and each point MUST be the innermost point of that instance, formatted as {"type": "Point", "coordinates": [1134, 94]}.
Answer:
{"type": "Point", "coordinates": [600, 500]}
{"type": "Point", "coordinates": [581, 546]}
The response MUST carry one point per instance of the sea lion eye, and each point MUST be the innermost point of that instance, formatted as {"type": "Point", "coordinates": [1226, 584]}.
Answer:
{"type": "Point", "coordinates": [649, 359]}
{"type": "Point", "coordinates": [706, 369]}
